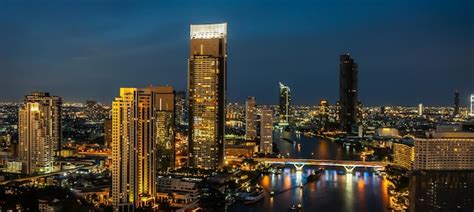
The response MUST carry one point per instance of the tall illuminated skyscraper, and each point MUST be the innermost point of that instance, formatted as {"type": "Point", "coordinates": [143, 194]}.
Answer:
{"type": "Point", "coordinates": [207, 85]}
{"type": "Point", "coordinates": [139, 119]}
{"type": "Point", "coordinates": [250, 118]}
{"type": "Point", "coordinates": [39, 128]}
{"type": "Point", "coordinates": [348, 100]}
{"type": "Point", "coordinates": [266, 131]}
{"type": "Point", "coordinates": [285, 104]}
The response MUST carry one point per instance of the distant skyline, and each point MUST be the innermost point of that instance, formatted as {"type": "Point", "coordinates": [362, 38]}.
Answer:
{"type": "Point", "coordinates": [408, 52]}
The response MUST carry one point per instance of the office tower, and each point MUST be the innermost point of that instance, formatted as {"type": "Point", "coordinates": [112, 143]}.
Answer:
{"type": "Point", "coordinates": [348, 100]}
{"type": "Point", "coordinates": [420, 109]}
{"type": "Point", "coordinates": [323, 114]}
{"type": "Point", "coordinates": [108, 132]}
{"type": "Point", "coordinates": [180, 107]}
{"type": "Point", "coordinates": [456, 103]}
{"type": "Point", "coordinates": [382, 110]}
{"type": "Point", "coordinates": [472, 105]}
{"type": "Point", "coordinates": [266, 131]}
{"type": "Point", "coordinates": [285, 104]}
{"type": "Point", "coordinates": [250, 118]}
{"type": "Point", "coordinates": [207, 79]}
{"type": "Point", "coordinates": [39, 128]}
{"type": "Point", "coordinates": [137, 123]}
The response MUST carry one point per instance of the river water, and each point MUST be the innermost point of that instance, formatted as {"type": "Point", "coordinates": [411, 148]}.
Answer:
{"type": "Point", "coordinates": [334, 191]}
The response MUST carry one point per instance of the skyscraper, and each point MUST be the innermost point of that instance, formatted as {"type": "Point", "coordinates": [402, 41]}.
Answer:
{"type": "Point", "coordinates": [180, 107]}
{"type": "Point", "coordinates": [266, 131]}
{"type": "Point", "coordinates": [207, 79]}
{"type": "Point", "coordinates": [165, 127]}
{"type": "Point", "coordinates": [39, 128]}
{"type": "Point", "coordinates": [456, 103]}
{"type": "Point", "coordinates": [420, 109]}
{"type": "Point", "coordinates": [138, 119]}
{"type": "Point", "coordinates": [285, 104]}
{"type": "Point", "coordinates": [348, 100]}
{"type": "Point", "coordinates": [250, 118]}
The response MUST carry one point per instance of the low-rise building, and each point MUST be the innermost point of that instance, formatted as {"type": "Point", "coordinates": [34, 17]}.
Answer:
{"type": "Point", "coordinates": [178, 193]}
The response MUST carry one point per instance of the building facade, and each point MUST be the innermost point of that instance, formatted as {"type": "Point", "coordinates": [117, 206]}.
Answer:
{"type": "Point", "coordinates": [180, 108]}
{"type": "Point", "coordinates": [266, 131]}
{"type": "Point", "coordinates": [285, 104]}
{"type": "Point", "coordinates": [40, 133]}
{"type": "Point", "coordinates": [404, 154]}
{"type": "Point", "coordinates": [445, 151]}
{"type": "Point", "coordinates": [348, 93]}
{"type": "Point", "coordinates": [207, 76]}
{"type": "Point", "coordinates": [137, 139]}
{"type": "Point", "coordinates": [250, 118]}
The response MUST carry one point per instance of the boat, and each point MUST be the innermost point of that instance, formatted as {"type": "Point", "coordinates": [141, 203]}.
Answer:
{"type": "Point", "coordinates": [315, 176]}
{"type": "Point", "coordinates": [296, 207]}
{"type": "Point", "coordinates": [254, 197]}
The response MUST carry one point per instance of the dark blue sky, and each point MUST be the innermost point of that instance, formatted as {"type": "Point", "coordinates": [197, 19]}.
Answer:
{"type": "Point", "coordinates": [408, 51]}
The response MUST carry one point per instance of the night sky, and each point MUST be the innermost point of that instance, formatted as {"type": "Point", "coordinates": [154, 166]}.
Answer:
{"type": "Point", "coordinates": [408, 53]}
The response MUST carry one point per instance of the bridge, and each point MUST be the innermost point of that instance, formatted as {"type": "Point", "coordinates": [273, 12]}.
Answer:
{"type": "Point", "coordinates": [32, 178]}
{"type": "Point", "coordinates": [349, 165]}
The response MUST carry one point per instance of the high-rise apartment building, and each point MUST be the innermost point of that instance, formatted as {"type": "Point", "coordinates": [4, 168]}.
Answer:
{"type": "Point", "coordinates": [420, 109]}
{"type": "Point", "coordinates": [140, 143]}
{"type": "Point", "coordinates": [285, 104]}
{"type": "Point", "coordinates": [348, 93]}
{"type": "Point", "coordinates": [39, 128]}
{"type": "Point", "coordinates": [207, 77]}
{"type": "Point", "coordinates": [250, 118]}
{"type": "Point", "coordinates": [266, 131]}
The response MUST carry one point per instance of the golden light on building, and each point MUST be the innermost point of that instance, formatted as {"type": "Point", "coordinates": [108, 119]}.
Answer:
{"type": "Point", "coordinates": [404, 154]}
{"type": "Point", "coordinates": [136, 132]}
{"type": "Point", "coordinates": [207, 94]}
{"type": "Point", "coordinates": [39, 128]}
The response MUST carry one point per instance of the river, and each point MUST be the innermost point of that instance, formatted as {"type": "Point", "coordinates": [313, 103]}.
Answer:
{"type": "Point", "coordinates": [334, 191]}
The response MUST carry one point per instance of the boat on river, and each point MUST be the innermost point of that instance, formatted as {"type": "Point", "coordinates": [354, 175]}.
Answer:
{"type": "Point", "coordinates": [254, 197]}
{"type": "Point", "coordinates": [315, 176]}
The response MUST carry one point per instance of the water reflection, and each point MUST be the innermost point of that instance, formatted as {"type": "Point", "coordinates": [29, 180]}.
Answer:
{"type": "Point", "coordinates": [334, 191]}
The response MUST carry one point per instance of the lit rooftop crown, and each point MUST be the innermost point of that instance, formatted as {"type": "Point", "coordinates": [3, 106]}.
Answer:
{"type": "Point", "coordinates": [207, 31]}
